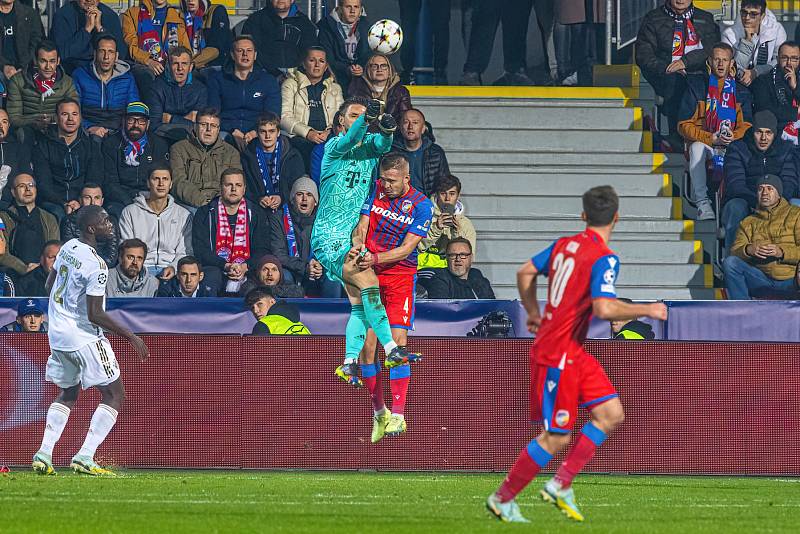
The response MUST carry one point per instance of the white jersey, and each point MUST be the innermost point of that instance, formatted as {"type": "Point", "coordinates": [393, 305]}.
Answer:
{"type": "Point", "coordinates": [80, 271]}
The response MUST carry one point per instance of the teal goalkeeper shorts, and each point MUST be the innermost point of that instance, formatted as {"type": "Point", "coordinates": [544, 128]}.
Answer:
{"type": "Point", "coordinates": [332, 260]}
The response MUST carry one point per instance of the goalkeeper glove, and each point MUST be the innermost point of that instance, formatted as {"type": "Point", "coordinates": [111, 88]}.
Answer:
{"type": "Point", "coordinates": [374, 109]}
{"type": "Point", "coordinates": [387, 124]}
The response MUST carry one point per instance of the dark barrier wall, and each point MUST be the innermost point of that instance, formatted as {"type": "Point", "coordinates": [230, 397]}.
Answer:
{"type": "Point", "coordinates": [229, 401]}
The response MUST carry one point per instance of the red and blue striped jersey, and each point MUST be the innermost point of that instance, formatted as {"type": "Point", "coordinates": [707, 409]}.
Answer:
{"type": "Point", "coordinates": [391, 219]}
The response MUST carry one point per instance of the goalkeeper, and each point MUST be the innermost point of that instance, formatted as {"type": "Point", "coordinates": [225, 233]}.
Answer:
{"type": "Point", "coordinates": [345, 182]}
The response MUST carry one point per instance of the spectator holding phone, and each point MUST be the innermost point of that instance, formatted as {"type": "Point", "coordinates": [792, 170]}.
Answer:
{"type": "Point", "coordinates": [448, 223]}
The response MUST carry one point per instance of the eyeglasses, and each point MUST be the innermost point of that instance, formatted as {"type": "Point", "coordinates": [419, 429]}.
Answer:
{"type": "Point", "coordinates": [792, 59]}
{"type": "Point", "coordinates": [28, 185]}
{"type": "Point", "coordinates": [459, 256]}
{"type": "Point", "coordinates": [750, 14]}
{"type": "Point", "coordinates": [138, 121]}
{"type": "Point", "coordinates": [208, 125]}
{"type": "Point", "coordinates": [379, 66]}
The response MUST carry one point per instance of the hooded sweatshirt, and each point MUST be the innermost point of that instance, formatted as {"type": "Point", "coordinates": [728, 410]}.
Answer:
{"type": "Point", "coordinates": [119, 285]}
{"type": "Point", "coordinates": [168, 235]}
{"type": "Point", "coordinates": [104, 103]}
{"type": "Point", "coordinates": [761, 53]}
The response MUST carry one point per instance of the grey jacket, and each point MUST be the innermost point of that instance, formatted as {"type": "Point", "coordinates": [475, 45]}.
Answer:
{"type": "Point", "coordinates": [119, 285]}
{"type": "Point", "coordinates": [168, 235]}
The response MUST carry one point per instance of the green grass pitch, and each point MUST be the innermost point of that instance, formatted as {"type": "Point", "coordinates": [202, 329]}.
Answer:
{"type": "Point", "coordinates": [255, 501]}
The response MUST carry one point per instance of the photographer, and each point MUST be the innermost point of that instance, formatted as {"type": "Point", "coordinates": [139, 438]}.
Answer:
{"type": "Point", "coordinates": [449, 222]}
{"type": "Point", "coordinates": [460, 281]}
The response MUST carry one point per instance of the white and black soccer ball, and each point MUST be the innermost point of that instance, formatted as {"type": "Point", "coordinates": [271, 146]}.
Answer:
{"type": "Point", "coordinates": [385, 37]}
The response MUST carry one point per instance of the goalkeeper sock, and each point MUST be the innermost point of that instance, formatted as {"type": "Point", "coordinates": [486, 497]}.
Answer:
{"type": "Point", "coordinates": [530, 461]}
{"type": "Point", "coordinates": [398, 381]}
{"type": "Point", "coordinates": [102, 422]}
{"type": "Point", "coordinates": [57, 416]}
{"type": "Point", "coordinates": [591, 437]}
{"type": "Point", "coordinates": [355, 334]}
{"type": "Point", "coordinates": [371, 376]}
{"type": "Point", "coordinates": [376, 317]}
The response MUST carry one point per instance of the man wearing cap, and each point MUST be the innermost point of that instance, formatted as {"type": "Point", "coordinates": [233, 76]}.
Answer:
{"type": "Point", "coordinates": [128, 157]}
{"type": "Point", "coordinates": [761, 151]}
{"type": "Point", "coordinates": [766, 251]}
{"type": "Point", "coordinates": [30, 318]}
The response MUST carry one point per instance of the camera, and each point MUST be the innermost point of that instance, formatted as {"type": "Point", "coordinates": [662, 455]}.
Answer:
{"type": "Point", "coordinates": [496, 324]}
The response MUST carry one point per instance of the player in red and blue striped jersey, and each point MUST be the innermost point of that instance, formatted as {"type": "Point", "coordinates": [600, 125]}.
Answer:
{"type": "Point", "coordinates": [582, 271]}
{"type": "Point", "coordinates": [394, 219]}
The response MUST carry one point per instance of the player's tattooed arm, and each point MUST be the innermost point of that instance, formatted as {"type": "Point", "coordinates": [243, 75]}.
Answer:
{"type": "Point", "coordinates": [98, 316]}
{"type": "Point", "coordinates": [526, 283]}
{"type": "Point", "coordinates": [360, 231]}
{"type": "Point", "coordinates": [609, 309]}
{"type": "Point", "coordinates": [396, 254]}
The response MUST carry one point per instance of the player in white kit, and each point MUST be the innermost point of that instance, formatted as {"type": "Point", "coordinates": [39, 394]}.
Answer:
{"type": "Point", "coordinates": [81, 356]}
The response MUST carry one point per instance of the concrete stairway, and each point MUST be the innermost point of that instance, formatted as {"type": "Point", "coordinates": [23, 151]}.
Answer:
{"type": "Point", "coordinates": [525, 163]}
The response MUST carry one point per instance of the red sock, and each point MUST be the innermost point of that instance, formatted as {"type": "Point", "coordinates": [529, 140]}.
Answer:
{"type": "Point", "coordinates": [373, 385]}
{"type": "Point", "coordinates": [522, 472]}
{"type": "Point", "coordinates": [399, 386]}
{"type": "Point", "coordinates": [578, 456]}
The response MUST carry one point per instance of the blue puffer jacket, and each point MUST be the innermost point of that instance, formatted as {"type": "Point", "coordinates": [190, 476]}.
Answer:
{"type": "Point", "coordinates": [745, 164]}
{"type": "Point", "coordinates": [103, 104]}
{"type": "Point", "coordinates": [166, 96]}
{"type": "Point", "coordinates": [242, 101]}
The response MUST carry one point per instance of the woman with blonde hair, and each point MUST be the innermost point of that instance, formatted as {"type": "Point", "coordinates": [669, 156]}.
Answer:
{"type": "Point", "coordinates": [381, 81]}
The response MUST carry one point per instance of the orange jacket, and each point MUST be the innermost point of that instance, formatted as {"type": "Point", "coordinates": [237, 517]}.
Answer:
{"type": "Point", "coordinates": [694, 128]}
{"type": "Point", "coordinates": [130, 22]}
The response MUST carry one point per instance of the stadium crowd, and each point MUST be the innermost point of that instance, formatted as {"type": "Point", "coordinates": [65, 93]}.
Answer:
{"type": "Point", "coordinates": [204, 147]}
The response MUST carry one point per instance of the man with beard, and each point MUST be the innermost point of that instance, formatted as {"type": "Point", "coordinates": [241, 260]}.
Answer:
{"type": "Point", "coordinates": [128, 157]}
{"type": "Point", "coordinates": [130, 278]}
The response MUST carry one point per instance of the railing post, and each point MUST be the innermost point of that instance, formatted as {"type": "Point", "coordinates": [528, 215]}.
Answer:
{"type": "Point", "coordinates": [609, 29]}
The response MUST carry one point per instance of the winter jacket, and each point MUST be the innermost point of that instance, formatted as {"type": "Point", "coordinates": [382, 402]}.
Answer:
{"type": "Point", "coordinates": [103, 103]}
{"type": "Point", "coordinates": [13, 222]}
{"type": "Point", "coordinates": [654, 43]}
{"type": "Point", "coordinates": [166, 96]}
{"type": "Point", "coordinates": [130, 23]}
{"type": "Point", "coordinates": [196, 169]}
{"type": "Point", "coordinates": [280, 43]}
{"type": "Point", "coordinates": [32, 284]}
{"type": "Point", "coordinates": [62, 170]}
{"type": "Point", "coordinates": [119, 285]}
{"type": "Point", "coordinates": [172, 288]}
{"type": "Point", "coordinates": [217, 34]}
{"type": "Point", "coordinates": [693, 111]}
{"type": "Point", "coordinates": [780, 226]}
{"type": "Point", "coordinates": [284, 290]}
{"type": "Point", "coordinates": [397, 98]}
{"type": "Point", "coordinates": [437, 239]}
{"type": "Point", "coordinates": [108, 250]}
{"type": "Point", "coordinates": [28, 32]}
{"type": "Point", "coordinates": [745, 164]}
{"type": "Point", "coordinates": [25, 103]}
{"type": "Point", "coordinates": [204, 233]}
{"type": "Point", "coordinates": [635, 330]}
{"type": "Point", "coordinates": [331, 38]}
{"type": "Point", "coordinates": [442, 284]}
{"type": "Point", "coordinates": [16, 156]}
{"type": "Point", "coordinates": [75, 43]}
{"type": "Point", "coordinates": [772, 92]}
{"type": "Point", "coordinates": [434, 162]}
{"type": "Point", "coordinates": [295, 112]}
{"type": "Point", "coordinates": [291, 168]}
{"type": "Point", "coordinates": [771, 36]}
{"type": "Point", "coordinates": [168, 235]}
{"type": "Point", "coordinates": [241, 101]}
{"type": "Point", "coordinates": [302, 224]}
{"type": "Point", "coordinates": [122, 182]}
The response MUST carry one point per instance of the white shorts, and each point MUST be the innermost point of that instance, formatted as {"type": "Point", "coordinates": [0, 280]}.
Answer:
{"type": "Point", "coordinates": [92, 365]}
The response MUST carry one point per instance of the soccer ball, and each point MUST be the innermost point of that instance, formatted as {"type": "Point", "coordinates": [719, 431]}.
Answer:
{"type": "Point", "coordinates": [385, 37]}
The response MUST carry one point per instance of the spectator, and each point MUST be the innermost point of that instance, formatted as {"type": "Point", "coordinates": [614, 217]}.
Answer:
{"type": "Point", "coordinates": [30, 318]}
{"type": "Point", "coordinates": [281, 32]}
{"type": "Point", "coordinates": [242, 91]}
{"type": "Point", "coordinates": [199, 161]}
{"type": "Point", "coordinates": [344, 36]}
{"type": "Point", "coordinates": [65, 158]}
{"type": "Point", "coordinates": [755, 37]}
{"type": "Point", "coordinates": [27, 228]}
{"type": "Point", "coordinates": [129, 278]}
{"type": "Point", "coordinates": [156, 219]}
{"type": "Point", "coordinates": [75, 26]}
{"type": "Point", "coordinates": [674, 40]}
{"type": "Point", "coordinates": [128, 157]}
{"type": "Point", "coordinates": [310, 99]}
{"type": "Point", "coordinates": [459, 281]}
{"type": "Point", "coordinates": [92, 195]}
{"type": "Point", "coordinates": [290, 239]}
{"type": "Point", "coordinates": [439, 13]}
{"type": "Point", "coordinates": [188, 282]}
{"type": "Point", "coordinates": [271, 165]}
{"type": "Point", "coordinates": [765, 254]}
{"type": "Point", "coordinates": [381, 82]}
{"type": "Point", "coordinates": [209, 30]}
{"type": "Point", "coordinates": [15, 157]}
{"type": "Point", "coordinates": [22, 31]}
{"type": "Point", "coordinates": [229, 234]}
{"type": "Point", "coordinates": [449, 222]}
{"type": "Point", "coordinates": [777, 91]}
{"type": "Point", "coordinates": [105, 87]}
{"type": "Point", "coordinates": [758, 153]}
{"type": "Point", "coordinates": [427, 161]}
{"type": "Point", "coordinates": [713, 111]}
{"type": "Point", "coordinates": [32, 283]}
{"type": "Point", "coordinates": [269, 272]}
{"type": "Point", "coordinates": [175, 97]}
{"type": "Point", "coordinates": [274, 317]}
{"type": "Point", "coordinates": [632, 329]}
{"type": "Point", "coordinates": [486, 16]}
{"type": "Point", "coordinates": [35, 91]}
